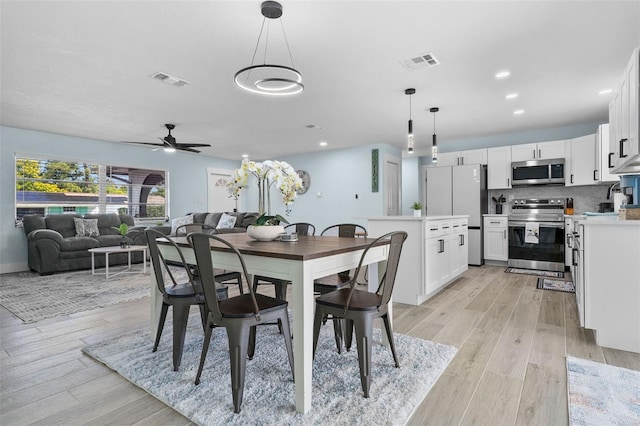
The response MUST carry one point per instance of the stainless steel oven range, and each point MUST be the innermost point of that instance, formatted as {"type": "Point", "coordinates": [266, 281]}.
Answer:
{"type": "Point", "coordinates": [536, 234]}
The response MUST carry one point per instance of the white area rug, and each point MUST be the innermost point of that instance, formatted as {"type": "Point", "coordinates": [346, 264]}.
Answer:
{"type": "Point", "coordinates": [269, 388]}
{"type": "Point", "coordinates": [602, 394]}
{"type": "Point", "coordinates": [32, 297]}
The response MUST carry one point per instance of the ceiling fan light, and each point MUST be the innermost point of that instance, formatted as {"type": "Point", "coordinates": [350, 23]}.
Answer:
{"type": "Point", "coordinates": [169, 149]}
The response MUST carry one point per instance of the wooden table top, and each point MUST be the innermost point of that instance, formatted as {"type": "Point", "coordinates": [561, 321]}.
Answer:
{"type": "Point", "coordinates": [306, 248]}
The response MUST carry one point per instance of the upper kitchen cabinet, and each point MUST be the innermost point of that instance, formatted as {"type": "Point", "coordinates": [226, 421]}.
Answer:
{"type": "Point", "coordinates": [624, 145]}
{"type": "Point", "coordinates": [460, 158]}
{"type": "Point", "coordinates": [538, 151]}
{"type": "Point", "coordinates": [580, 158]}
{"type": "Point", "coordinates": [603, 156]}
{"type": "Point", "coordinates": [499, 167]}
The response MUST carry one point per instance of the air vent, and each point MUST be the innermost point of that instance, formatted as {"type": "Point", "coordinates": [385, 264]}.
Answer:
{"type": "Point", "coordinates": [169, 79]}
{"type": "Point", "coordinates": [425, 60]}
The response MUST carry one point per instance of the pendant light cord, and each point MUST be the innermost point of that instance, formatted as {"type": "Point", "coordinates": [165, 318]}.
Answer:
{"type": "Point", "coordinates": [287, 43]}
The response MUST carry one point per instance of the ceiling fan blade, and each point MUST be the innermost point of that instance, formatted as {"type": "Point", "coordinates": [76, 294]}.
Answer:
{"type": "Point", "coordinates": [143, 143]}
{"type": "Point", "coordinates": [191, 145]}
{"type": "Point", "coordinates": [184, 148]}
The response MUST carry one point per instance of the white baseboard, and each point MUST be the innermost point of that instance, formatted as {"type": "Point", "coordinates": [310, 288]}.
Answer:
{"type": "Point", "coordinates": [7, 268]}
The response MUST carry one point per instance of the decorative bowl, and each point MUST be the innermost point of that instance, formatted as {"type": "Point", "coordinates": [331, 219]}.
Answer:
{"type": "Point", "coordinates": [264, 232]}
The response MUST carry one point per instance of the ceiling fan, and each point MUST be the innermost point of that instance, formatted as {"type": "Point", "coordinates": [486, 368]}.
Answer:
{"type": "Point", "coordinates": [169, 142]}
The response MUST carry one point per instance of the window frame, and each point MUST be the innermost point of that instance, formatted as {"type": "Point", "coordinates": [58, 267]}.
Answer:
{"type": "Point", "coordinates": [102, 206]}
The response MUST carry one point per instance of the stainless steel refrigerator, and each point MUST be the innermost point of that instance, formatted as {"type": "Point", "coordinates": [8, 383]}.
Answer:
{"type": "Point", "coordinates": [460, 190]}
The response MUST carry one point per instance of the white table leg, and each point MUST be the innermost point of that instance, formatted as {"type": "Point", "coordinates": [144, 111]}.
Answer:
{"type": "Point", "coordinates": [129, 260]}
{"type": "Point", "coordinates": [93, 263]}
{"type": "Point", "coordinates": [303, 309]}
{"type": "Point", "coordinates": [144, 260]}
{"type": "Point", "coordinates": [107, 267]}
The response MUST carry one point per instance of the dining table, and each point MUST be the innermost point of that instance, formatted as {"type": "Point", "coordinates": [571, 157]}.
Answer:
{"type": "Point", "coordinates": [300, 262]}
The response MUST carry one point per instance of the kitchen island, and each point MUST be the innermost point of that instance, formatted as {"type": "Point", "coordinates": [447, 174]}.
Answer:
{"type": "Point", "coordinates": [435, 253]}
{"type": "Point", "coordinates": [606, 272]}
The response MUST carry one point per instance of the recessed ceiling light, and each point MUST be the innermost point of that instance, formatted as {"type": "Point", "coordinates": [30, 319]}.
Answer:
{"type": "Point", "coordinates": [245, 155]}
{"type": "Point", "coordinates": [511, 96]}
{"type": "Point", "coordinates": [605, 92]}
{"type": "Point", "coordinates": [518, 111]}
{"type": "Point", "coordinates": [323, 143]}
{"type": "Point", "coordinates": [503, 74]}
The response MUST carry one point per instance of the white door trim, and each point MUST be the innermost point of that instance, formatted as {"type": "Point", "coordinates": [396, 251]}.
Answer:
{"type": "Point", "coordinates": [388, 158]}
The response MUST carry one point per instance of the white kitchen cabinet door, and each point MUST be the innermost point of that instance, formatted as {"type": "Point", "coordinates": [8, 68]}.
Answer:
{"type": "Point", "coordinates": [458, 249]}
{"type": "Point", "coordinates": [496, 243]}
{"type": "Point", "coordinates": [538, 151]}
{"type": "Point", "coordinates": [499, 167]}
{"type": "Point", "coordinates": [581, 159]}
{"type": "Point", "coordinates": [437, 260]}
{"type": "Point", "coordinates": [602, 155]}
{"type": "Point", "coordinates": [614, 129]}
{"type": "Point", "coordinates": [551, 149]}
{"type": "Point", "coordinates": [448, 159]}
{"type": "Point", "coordinates": [625, 119]}
{"type": "Point", "coordinates": [473, 156]}
{"type": "Point", "coordinates": [524, 152]}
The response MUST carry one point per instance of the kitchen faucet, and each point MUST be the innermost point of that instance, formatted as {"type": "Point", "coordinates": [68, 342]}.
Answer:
{"type": "Point", "coordinates": [610, 190]}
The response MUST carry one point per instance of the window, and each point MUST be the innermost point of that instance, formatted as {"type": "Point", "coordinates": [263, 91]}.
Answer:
{"type": "Point", "coordinates": [46, 186]}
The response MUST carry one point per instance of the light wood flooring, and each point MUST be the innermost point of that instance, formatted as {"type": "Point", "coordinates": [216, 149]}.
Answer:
{"type": "Point", "coordinates": [512, 341]}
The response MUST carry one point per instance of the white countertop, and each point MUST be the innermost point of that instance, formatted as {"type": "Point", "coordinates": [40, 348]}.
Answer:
{"type": "Point", "coordinates": [605, 220]}
{"type": "Point", "coordinates": [495, 215]}
{"type": "Point", "coordinates": [414, 218]}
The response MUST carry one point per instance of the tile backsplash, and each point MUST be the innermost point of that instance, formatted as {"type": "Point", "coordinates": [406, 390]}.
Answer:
{"type": "Point", "coordinates": [585, 198]}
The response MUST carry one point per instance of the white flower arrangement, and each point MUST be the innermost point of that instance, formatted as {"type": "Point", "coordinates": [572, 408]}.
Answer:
{"type": "Point", "coordinates": [268, 173]}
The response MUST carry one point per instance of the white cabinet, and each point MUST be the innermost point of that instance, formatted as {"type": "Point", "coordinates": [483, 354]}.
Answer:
{"type": "Point", "coordinates": [624, 119]}
{"type": "Point", "coordinates": [460, 158]}
{"type": "Point", "coordinates": [499, 167]}
{"type": "Point", "coordinates": [611, 286]}
{"type": "Point", "coordinates": [458, 247]}
{"type": "Point", "coordinates": [496, 242]}
{"type": "Point", "coordinates": [435, 253]}
{"type": "Point", "coordinates": [603, 156]}
{"type": "Point", "coordinates": [538, 151]}
{"type": "Point", "coordinates": [580, 161]}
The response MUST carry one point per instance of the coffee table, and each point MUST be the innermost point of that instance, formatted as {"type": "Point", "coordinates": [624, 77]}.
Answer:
{"type": "Point", "coordinates": [117, 249]}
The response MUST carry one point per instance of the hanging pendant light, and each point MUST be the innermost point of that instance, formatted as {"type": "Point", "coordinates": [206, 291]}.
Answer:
{"type": "Point", "coordinates": [410, 133]}
{"type": "Point", "coordinates": [434, 146]}
{"type": "Point", "coordinates": [270, 79]}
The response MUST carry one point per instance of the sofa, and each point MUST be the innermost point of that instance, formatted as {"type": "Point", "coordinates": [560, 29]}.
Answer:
{"type": "Point", "coordinates": [54, 246]}
{"type": "Point", "coordinates": [213, 220]}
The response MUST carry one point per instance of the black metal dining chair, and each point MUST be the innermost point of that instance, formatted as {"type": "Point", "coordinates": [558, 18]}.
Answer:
{"type": "Point", "coordinates": [358, 308]}
{"type": "Point", "coordinates": [238, 315]}
{"type": "Point", "coordinates": [342, 279]}
{"type": "Point", "coordinates": [222, 276]}
{"type": "Point", "coordinates": [180, 293]}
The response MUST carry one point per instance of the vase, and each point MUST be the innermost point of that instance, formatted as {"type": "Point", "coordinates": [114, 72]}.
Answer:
{"type": "Point", "coordinates": [264, 232]}
{"type": "Point", "coordinates": [123, 243]}
{"type": "Point", "coordinates": [417, 213]}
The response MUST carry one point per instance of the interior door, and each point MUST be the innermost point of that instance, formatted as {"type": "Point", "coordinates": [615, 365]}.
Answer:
{"type": "Point", "coordinates": [392, 186]}
{"type": "Point", "coordinates": [439, 191]}
{"type": "Point", "coordinates": [218, 199]}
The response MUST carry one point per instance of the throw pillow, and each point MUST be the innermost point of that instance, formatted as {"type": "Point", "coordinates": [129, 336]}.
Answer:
{"type": "Point", "coordinates": [226, 221]}
{"type": "Point", "coordinates": [184, 220]}
{"type": "Point", "coordinates": [86, 227]}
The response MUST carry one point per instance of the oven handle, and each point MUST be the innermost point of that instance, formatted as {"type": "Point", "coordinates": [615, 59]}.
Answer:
{"type": "Point", "coordinates": [545, 224]}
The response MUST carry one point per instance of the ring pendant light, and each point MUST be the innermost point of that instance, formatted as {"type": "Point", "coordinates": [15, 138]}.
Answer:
{"type": "Point", "coordinates": [270, 79]}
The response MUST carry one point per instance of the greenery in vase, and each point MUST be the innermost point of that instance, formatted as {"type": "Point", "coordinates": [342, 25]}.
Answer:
{"type": "Point", "coordinates": [265, 220]}
{"type": "Point", "coordinates": [123, 229]}
{"type": "Point", "coordinates": [416, 206]}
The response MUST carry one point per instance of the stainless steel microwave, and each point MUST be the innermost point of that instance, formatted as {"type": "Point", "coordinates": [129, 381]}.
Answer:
{"type": "Point", "coordinates": [538, 172]}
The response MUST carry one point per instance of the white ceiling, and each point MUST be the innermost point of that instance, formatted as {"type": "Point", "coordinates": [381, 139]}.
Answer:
{"type": "Point", "coordinates": [82, 68]}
